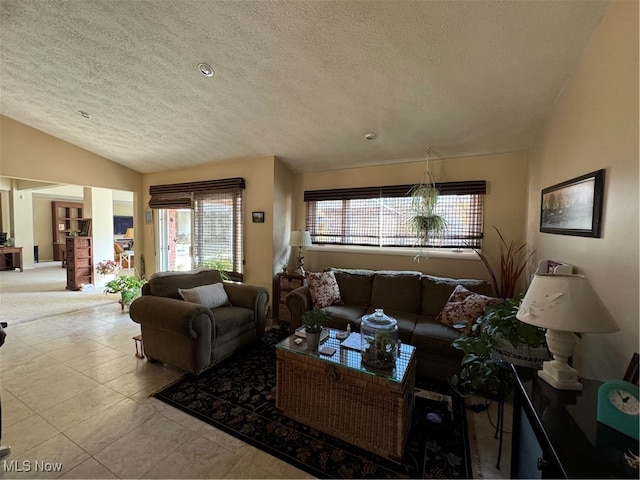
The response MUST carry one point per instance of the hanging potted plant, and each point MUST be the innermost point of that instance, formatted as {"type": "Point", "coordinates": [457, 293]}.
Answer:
{"type": "Point", "coordinates": [425, 223]}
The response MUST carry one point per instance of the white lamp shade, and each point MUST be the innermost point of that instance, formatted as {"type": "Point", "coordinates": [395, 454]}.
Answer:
{"type": "Point", "coordinates": [565, 303]}
{"type": "Point", "coordinates": [300, 238]}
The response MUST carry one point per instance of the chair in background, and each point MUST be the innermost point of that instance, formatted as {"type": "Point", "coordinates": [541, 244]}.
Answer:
{"type": "Point", "coordinates": [123, 255]}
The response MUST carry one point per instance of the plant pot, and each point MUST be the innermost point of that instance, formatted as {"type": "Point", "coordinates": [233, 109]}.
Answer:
{"type": "Point", "coordinates": [313, 339]}
{"type": "Point", "coordinates": [524, 355]}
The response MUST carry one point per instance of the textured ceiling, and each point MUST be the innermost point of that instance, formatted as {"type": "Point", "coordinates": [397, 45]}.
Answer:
{"type": "Point", "coordinates": [302, 80]}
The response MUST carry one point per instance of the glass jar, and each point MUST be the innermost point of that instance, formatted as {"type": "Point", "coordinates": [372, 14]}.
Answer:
{"type": "Point", "coordinates": [379, 337]}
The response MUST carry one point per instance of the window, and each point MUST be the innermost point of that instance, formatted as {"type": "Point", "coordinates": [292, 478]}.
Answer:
{"type": "Point", "coordinates": [217, 230]}
{"type": "Point", "coordinates": [379, 216]}
{"type": "Point", "coordinates": [217, 240]}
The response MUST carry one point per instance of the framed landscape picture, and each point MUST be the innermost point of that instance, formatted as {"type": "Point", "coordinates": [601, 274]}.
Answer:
{"type": "Point", "coordinates": [573, 207]}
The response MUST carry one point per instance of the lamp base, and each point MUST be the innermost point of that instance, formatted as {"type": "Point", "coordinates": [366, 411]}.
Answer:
{"type": "Point", "coordinates": [560, 375]}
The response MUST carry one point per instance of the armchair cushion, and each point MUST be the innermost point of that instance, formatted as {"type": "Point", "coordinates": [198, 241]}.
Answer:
{"type": "Point", "coordinates": [211, 296]}
{"type": "Point", "coordinates": [166, 284]}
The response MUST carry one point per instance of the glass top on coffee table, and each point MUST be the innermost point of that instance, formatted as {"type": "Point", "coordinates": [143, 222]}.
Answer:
{"type": "Point", "coordinates": [351, 357]}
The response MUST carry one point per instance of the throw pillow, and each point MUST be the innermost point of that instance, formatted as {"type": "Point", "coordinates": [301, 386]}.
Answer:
{"type": "Point", "coordinates": [323, 288]}
{"type": "Point", "coordinates": [466, 305]}
{"type": "Point", "coordinates": [211, 296]}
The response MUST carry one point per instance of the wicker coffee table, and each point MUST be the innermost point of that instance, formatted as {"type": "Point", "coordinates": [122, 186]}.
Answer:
{"type": "Point", "coordinates": [343, 398]}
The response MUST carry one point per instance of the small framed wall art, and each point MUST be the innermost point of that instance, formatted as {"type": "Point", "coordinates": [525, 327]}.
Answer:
{"type": "Point", "coordinates": [573, 207]}
{"type": "Point", "coordinates": [257, 217]}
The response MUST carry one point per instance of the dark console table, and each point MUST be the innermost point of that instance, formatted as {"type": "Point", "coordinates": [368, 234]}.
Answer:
{"type": "Point", "coordinates": [556, 434]}
{"type": "Point", "coordinates": [11, 258]}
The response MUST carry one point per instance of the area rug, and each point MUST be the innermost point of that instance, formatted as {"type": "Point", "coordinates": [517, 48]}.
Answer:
{"type": "Point", "coordinates": [238, 397]}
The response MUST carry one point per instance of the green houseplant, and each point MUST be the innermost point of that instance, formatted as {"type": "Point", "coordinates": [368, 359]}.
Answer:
{"type": "Point", "coordinates": [513, 261]}
{"type": "Point", "coordinates": [424, 221]}
{"type": "Point", "coordinates": [314, 321]}
{"type": "Point", "coordinates": [496, 336]}
{"type": "Point", "coordinates": [128, 286]}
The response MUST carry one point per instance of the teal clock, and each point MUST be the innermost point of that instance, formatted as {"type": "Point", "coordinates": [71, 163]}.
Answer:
{"type": "Point", "coordinates": [618, 407]}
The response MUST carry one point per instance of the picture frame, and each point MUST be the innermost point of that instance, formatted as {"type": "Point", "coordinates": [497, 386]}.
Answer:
{"type": "Point", "coordinates": [257, 217]}
{"type": "Point", "coordinates": [85, 227]}
{"type": "Point", "coordinates": [573, 207]}
{"type": "Point", "coordinates": [631, 374]}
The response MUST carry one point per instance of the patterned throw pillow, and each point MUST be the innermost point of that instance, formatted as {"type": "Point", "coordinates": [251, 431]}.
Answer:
{"type": "Point", "coordinates": [211, 296]}
{"type": "Point", "coordinates": [323, 288]}
{"type": "Point", "coordinates": [466, 305]}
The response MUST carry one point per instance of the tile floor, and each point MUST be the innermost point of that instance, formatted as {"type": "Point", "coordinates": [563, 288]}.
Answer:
{"type": "Point", "coordinates": [76, 404]}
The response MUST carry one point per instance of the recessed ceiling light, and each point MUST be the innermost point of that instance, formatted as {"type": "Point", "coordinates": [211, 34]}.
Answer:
{"type": "Point", "coordinates": [84, 114]}
{"type": "Point", "coordinates": [205, 69]}
{"type": "Point", "coordinates": [370, 136]}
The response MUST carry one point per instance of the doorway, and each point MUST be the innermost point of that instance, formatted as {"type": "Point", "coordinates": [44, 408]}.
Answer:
{"type": "Point", "coordinates": [175, 233]}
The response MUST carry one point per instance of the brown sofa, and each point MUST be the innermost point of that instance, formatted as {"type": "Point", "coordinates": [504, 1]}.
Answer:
{"type": "Point", "coordinates": [189, 335]}
{"type": "Point", "coordinates": [412, 298]}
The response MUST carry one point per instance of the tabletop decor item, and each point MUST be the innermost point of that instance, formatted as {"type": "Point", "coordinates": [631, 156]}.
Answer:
{"type": "Point", "coordinates": [564, 305]}
{"type": "Point", "coordinates": [619, 408]}
{"type": "Point", "coordinates": [379, 337]}
{"type": "Point", "coordinates": [313, 322]}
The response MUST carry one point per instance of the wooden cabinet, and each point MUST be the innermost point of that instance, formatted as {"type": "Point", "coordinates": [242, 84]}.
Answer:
{"type": "Point", "coordinates": [286, 283]}
{"type": "Point", "coordinates": [66, 218]}
{"type": "Point", "coordinates": [79, 262]}
{"type": "Point", "coordinates": [556, 433]}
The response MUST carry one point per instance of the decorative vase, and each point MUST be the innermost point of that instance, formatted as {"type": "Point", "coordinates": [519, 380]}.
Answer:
{"type": "Point", "coordinates": [313, 339]}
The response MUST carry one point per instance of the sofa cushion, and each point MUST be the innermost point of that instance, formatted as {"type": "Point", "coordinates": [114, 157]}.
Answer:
{"type": "Point", "coordinates": [437, 290]}
{"type": "Point", "coordinates": [342, 315]}
{"type": "Point", "coordinates": [211, 296]}
{"type": "Point", "coordinates": [432, 336]}
{"type": "Point", "coordinates": [166, 284]}
{"type": "Point", "coordinates": [323, 288]}
{"type": "Point", "coordinates": [465, 305]}
{"type": "Point", "coordinates": [396, 291]}
{"type": "Point", "coordinates": [355, 287]}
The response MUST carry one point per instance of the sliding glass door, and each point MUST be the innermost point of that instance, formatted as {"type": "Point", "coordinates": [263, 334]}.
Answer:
{"type": "Point", "coordinates": [175, 233]}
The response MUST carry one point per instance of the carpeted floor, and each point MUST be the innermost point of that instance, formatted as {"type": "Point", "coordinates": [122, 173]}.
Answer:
{"type": "Point", "coordinates": [41, 292]}
{"type": "Point", "coordinates": [238, 396]}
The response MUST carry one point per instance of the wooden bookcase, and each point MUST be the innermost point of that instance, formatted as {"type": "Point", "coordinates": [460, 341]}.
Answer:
{"type": "Point", "coordinates": [79, 262]}
{"type": "Point", "coordinates": [66, 218]}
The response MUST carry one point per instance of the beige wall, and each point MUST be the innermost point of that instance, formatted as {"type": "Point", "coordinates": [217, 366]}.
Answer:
{"type": "Point", "coordinates": [594, 125]}
{"type": "Point", "coordinates": [284, 181]}
{"type": "Point", "coordinates": [29, 153]}
{"type": "Point", "coordinates": [259, 194]}
{"type": "Point", "coordinates": [505, 204]}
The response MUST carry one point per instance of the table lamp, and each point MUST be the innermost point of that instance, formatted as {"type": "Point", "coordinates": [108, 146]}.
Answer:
{"type": "Point", "coordinates": [129, 236]}
{"type": "Point", "coordinates": [300, 238]}
{"type": "Point", "coordinates": [564, 305]}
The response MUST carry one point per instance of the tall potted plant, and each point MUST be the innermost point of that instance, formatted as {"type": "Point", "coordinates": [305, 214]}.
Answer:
{"type": "Point", "coordinates": [513, 261]}
{"type": "Point", "coordinates": [128, 286]}
{"type": "Point", "coordinates": [496, 337]}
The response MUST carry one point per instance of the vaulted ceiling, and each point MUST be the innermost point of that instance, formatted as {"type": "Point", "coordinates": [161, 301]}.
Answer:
{"type": "Point", "coordinates": [301, 80]}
